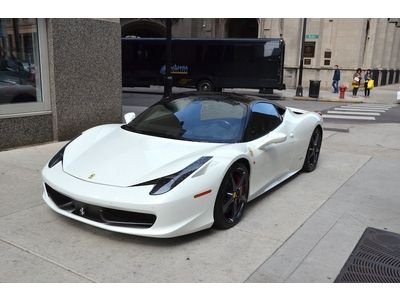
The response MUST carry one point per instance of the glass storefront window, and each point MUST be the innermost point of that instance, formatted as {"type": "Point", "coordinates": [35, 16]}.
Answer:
{"type": "Point", "coordinates": [20, 76]}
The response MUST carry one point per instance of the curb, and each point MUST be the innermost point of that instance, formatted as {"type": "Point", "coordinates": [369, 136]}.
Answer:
{"type": "Point", "coordinates": [327, 100]}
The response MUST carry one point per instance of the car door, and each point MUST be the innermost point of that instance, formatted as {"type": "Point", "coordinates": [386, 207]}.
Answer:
{"type": "Point", "coordinates": [270, 144]}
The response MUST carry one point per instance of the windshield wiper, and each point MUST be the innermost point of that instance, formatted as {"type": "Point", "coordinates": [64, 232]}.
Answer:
{"type": "Point", "coordinates": [158, 134]}
{"type": "Point", "coordinates": [128, 128]}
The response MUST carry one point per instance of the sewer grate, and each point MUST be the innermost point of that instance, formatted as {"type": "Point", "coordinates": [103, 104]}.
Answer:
{"type": "Point", "coordinates": [376, 258]}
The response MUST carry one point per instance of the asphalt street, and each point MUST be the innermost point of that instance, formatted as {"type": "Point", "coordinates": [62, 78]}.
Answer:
{"type": "Point", "coordinates": [138, 99]}
{"type": "Point", "coordinates": [381, 110]}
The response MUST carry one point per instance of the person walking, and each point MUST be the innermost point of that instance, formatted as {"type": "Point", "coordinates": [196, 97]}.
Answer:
{"type": "Point", "coordinates": [336, 79]}
{"type": "Point", "coordinates": [356, 82]}
{"type": "Point", "coordinates": [367, 78]}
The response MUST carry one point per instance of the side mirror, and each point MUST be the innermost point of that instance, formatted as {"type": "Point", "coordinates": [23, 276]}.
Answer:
{"type": "Point", "coordinates": [273, 138]}
{"type": "Point", "coordinates": [129, 117]}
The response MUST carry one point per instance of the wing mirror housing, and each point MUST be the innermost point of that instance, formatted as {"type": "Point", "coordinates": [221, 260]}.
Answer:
{"type": "Point", "coordinates": [128, 117]}
{"type": "Point", "coordinates": [273, 138]}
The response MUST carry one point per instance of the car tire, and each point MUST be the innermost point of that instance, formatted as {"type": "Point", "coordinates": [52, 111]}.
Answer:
{"type": "Point", "coordinates": [313, 150]}
{"type": "Point", "coordinates": [205, 86]}
{"type": "Point", "coordinates": [232, 197]}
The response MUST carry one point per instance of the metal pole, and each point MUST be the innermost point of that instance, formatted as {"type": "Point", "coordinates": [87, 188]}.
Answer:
{"type": "Point", "coordinates": [168, 76]}
{"type": "Point", "coordinates": [299, 89]}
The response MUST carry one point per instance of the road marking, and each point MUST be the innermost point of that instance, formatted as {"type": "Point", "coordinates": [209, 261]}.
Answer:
{"type": "Point", "coordinates": [348, 117]}
{"type": "Point", "coordinates": [353, 113]}
{"type": "Point", "coordinates": [367, 106]}
{"type": "Point", "coordinates": [373, 104]}
{"type": "Point", "coordinates": [359, 109]}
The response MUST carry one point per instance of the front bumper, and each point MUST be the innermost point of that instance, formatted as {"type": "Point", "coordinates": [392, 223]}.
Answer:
{"type": "Point", "coordinates": [176, 212]}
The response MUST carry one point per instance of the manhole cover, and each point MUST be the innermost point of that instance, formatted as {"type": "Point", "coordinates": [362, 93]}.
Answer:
{"type": "Point", "coordinates": [376, 258]}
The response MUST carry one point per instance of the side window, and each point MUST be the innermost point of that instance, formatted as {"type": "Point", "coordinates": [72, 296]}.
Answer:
{"type": "Point", "coordinates": [264, 118]}
{"type": "Point", "coordinates": [272, 49]}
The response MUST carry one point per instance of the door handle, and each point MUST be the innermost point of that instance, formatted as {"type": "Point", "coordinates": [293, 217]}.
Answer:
{"type": "Point", "coordinates": [291, 135]}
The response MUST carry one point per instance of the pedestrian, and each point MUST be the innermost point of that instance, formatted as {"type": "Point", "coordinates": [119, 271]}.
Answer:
{"type": "Point", "coordinates": [367, 78]}
{"type": "Point", "coordinates": [356, 82]}
{"type": "Point", "coordinates": [336, 79]}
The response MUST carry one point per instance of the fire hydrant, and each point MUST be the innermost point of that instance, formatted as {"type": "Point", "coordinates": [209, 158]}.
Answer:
{"type": "Point", "coordinates": [342, 91]}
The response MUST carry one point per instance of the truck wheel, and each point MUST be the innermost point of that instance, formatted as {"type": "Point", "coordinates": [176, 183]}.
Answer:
{"type": "Point", "coordinates": [205, 86]}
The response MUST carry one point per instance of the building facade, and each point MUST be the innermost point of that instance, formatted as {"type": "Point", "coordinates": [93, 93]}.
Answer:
{"type": "Point", "coordinates": [58, 77]}
{"type": "Point", "coordinates": [350, 43]}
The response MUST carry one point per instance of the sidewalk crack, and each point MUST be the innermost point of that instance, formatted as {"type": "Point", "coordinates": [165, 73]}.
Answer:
{"type": "Point", "coordinates": [48, 260]}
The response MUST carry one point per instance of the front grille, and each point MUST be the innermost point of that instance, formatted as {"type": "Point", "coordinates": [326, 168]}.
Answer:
{"type": "Point", "coordinates": [109, 216]}
{"type": "Point", "coordinates": [376, 258]}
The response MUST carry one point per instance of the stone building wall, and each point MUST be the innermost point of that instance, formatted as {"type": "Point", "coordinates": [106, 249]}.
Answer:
{"type": "Point", "coordinates": [353, 43]}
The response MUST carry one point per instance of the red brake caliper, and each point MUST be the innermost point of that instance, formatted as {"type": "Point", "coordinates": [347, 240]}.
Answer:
{"type": "Point", "coordinates": [237, 180]}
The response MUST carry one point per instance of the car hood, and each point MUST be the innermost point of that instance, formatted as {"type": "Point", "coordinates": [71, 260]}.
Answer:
{"type": "Point", "coordinates": [113, 156]}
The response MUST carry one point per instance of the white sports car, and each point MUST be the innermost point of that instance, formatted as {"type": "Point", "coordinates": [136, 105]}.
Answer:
{"type": "Point", "coordinates": [186, 163]}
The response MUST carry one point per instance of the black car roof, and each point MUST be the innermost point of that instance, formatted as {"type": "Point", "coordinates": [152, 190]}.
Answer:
{"type": "Point", "coordinates": [245, 99]}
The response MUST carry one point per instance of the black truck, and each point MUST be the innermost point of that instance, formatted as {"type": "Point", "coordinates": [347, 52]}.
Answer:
{"type": "Point", "coordinates": [205, 64]}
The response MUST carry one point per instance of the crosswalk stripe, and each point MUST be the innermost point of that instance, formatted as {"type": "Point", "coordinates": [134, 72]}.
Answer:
{"type": "Point", "coordinates": [359, 109]}
{"type": "Point", "coordinates": [353, 113]}
{"type": "Point", "coordinates": [368, 106]}
{"type": "Point", "coordinates": [347, 117]}
{"type": "Point", "coordinates": [372, 104]}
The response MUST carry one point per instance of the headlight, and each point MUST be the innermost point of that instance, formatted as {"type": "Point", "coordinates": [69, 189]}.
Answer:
{"type": "Point", "coordinates": [167, 183]}
{"type": "Point", "coordinates": [59, 155]}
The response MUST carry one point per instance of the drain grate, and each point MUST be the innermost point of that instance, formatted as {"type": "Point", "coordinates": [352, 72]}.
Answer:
{"type": "Point", "coordinates": [376, 258]}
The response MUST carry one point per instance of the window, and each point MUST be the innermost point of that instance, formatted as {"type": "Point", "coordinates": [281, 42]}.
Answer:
{"type": "Point", "coordinates": [327, 54]}
{"type": "Point", "coordinates": [272, 49]}
{"type": "Point", "coordinates": [309, 49]}
{"type": "Point", "coordinates": [21, 66]}
{"type": "Point", "coordinates": [307, 61]}
{"type": "Point", "coordinates": [19, 59]}
{"type": "Point", "coordinates": [264, 118]}
{"type": "Point", "coordinates": [327, 62]}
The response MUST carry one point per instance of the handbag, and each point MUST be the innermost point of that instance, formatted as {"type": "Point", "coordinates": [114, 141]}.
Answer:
{"type": "Point", "coordinates": [370, 84]}
{"type": "Point", "coordinates": [355, 82]}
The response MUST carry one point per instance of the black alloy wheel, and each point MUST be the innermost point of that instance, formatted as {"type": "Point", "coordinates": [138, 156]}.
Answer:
{"type": "Point", "coordinates": [232, 197]}
{"type": "Point", "coordinates": [205, 86]}
{"type": "Point", "coordinates": [313, 150]}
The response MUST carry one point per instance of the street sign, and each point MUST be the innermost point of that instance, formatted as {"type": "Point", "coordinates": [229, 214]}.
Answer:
{"type": "Point", "coordinates": [312, 36]}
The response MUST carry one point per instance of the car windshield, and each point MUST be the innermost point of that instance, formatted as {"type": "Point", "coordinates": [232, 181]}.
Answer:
{"type": "Point", "coordinates": [193, 118]}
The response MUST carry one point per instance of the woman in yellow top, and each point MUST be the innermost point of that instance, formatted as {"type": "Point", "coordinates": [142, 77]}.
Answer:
{"type": "Point", "coordinates": [356, 82]}
{"type": "Point", "coordinates": [367, 77]}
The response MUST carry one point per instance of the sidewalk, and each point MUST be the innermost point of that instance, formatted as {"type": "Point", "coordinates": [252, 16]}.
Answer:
{"type": "Point", "coordinates": [302, 231]}
{"type": "Point", "coordinates": [318, 249]}
{"type": "Point", "coordinates": [380, 95]}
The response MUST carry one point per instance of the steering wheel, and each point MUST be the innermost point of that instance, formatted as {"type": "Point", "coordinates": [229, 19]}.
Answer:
{"type": "Point", "coordinates": [225, 124]}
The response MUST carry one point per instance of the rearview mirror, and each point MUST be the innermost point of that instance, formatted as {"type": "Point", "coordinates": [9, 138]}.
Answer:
{"type": "Point", "coordinates": [129, 117]}
{"type": "Point", "coordinates": [273, 138]}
